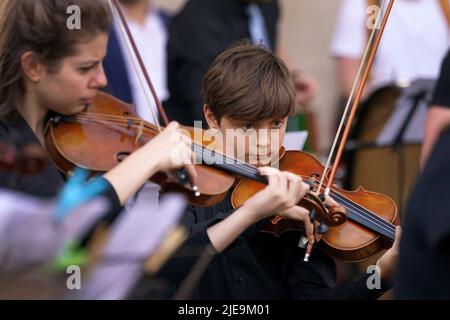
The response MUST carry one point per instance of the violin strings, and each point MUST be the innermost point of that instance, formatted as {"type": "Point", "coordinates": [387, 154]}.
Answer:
{"type": "Point", "coordinates": [365, 216]}
{"type": "Point", "coordinates": [123, 122]}
{"type": "Point", "coordinates": [230, 164]}
{"type": "Point", "coordinates": [107, 124]}
{"type": "Point", "coordinates": [360, 208]}
{"type": "Point", "coordinates": [114, 117]}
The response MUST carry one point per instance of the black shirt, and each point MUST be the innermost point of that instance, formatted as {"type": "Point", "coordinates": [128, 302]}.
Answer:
{"type": "Point", "coordinates": [260, 266]}
{"type": "Point", "coordinates": [202, 30]}
{"type": "Point", "coordinates": [442, 93]}
{"type": "Point", "coordinates": [423, 270]}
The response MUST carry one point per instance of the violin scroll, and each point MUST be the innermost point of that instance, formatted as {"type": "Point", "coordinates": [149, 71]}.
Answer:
{"type": "Point", "coordinates": [336, 216]}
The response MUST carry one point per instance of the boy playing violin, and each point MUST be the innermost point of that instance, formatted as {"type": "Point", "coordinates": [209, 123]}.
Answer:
{"type": "Point", "coordinates": [248, 89]}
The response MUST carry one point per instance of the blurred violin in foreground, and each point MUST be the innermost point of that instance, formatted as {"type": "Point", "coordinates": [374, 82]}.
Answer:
{"type": "Point", "coordinates": [28, 160]}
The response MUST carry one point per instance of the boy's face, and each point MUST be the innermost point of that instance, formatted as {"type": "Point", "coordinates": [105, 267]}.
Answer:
{"type": "Point", "coordinates": [255, 142]}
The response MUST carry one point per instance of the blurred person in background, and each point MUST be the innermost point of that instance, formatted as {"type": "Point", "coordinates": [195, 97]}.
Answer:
{"type": "Point", "coordinates": [148, 25]}
{"type": "Point", "coordinates": [203, 29]}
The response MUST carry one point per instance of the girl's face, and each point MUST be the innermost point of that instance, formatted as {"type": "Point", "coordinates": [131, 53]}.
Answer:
{"type": "Point", "coordinates": [76, 82]}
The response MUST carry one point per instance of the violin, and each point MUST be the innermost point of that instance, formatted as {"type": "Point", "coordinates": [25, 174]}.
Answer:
{"type": "Point", "coordinates": [29, 160]}
{"type": "Point", "coordinates": [371, 217]}
{"type": "Point", "coordinates": [109, 130]}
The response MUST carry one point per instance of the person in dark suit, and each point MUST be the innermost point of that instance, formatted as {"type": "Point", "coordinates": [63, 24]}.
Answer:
{"type": "Point", "coordinates": [424, 260]}
{"type": "Point", "coordinates": [149, 26]}
{"type": "Point", "coordinates": [203, 29]}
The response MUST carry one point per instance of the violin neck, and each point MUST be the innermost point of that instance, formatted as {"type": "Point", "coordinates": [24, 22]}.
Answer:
{"type": "Point", "coordinates": [228, 164]}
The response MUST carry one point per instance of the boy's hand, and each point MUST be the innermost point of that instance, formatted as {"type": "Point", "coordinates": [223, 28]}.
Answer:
{"type": "Point", "coordinates": [302, 214]}
{"type": "Point", "coordinates": [388, 260]}
{"type": "Point", "coordinates": [283, 192]}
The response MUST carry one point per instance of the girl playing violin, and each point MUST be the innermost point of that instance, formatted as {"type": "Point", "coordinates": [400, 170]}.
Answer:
{"type": "Point", "coordinates": [248, 89]}
{"type": "Point", "coordinates": [46, 67]}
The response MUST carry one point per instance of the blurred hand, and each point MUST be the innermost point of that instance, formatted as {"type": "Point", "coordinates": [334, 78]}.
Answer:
{"type": "Point", "coordinates": [388, 260]}
{"type": "Point", "coordinates": [305, 87]}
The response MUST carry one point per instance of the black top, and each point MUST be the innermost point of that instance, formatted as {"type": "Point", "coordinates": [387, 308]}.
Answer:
{"type": "Point", "coordinates": [424, 261]}
{"type": "Point", "coordinates": [442, 93]}
{"type": "Point", "coordinates": [202, 30]}
{"type": "Point", "coordinates": [115, 67]}
{"type": "Point", "coordinates": [47, 183]}
{"type": "Point", "coordinates": [260, 266]}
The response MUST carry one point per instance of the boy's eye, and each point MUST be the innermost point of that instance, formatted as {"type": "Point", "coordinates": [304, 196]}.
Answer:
{"type": "Point", "coordinates": [247, 126]}
{"type": "Point", "coordinates": [277, 124]}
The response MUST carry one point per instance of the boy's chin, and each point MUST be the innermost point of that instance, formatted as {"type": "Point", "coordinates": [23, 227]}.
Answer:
{"type": "Point", "coordinates": [262, 162]}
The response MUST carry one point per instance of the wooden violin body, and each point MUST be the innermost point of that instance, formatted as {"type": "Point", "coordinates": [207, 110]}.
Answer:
{"type": "Point", "coordinates": [362, 235]}
{"type": "Point", "coordinates": [108, 134]}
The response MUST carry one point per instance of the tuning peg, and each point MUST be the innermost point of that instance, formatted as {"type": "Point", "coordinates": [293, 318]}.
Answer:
{"type": "Point", "coordinates": [303, 242]}
{"type": "Point", "coordinates": [323, 228]}
{"type": "Point", "coordinates": [185, 179]}
{"type": "Point", "coordinates": [310, 183]}
{"type": "Point", "coordinates": [322, 197]}
{"type": "Point", "coordinates": [312, 215]}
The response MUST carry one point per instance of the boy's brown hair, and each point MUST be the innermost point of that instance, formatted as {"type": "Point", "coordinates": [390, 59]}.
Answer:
{"type": "Point", "coordinates": [248, 83]}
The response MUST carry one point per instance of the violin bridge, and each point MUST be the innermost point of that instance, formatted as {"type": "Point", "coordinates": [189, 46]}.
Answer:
{"type": "Point", "coordinates": [140, 131]}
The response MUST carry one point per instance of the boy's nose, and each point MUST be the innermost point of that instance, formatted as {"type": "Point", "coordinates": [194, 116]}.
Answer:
{"type": "Point", "coordinates": [264, 138]}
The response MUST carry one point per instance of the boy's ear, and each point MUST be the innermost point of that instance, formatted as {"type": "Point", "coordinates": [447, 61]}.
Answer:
{"type": "Point", "coordinates": [31, 66]}
{"type": "Point", "coordinates": [213, 123]}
